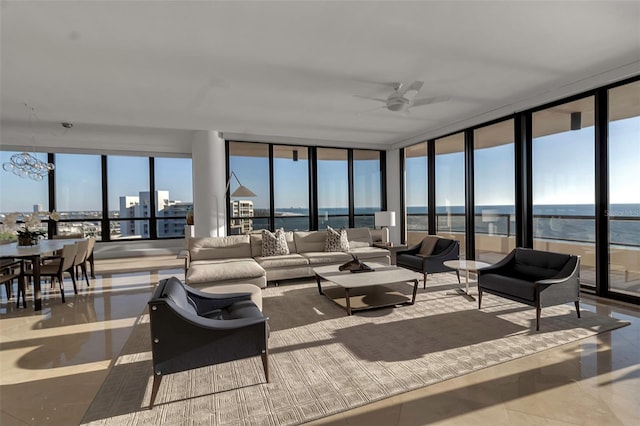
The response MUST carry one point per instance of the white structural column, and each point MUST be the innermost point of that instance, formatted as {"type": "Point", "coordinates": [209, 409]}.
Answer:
{"type": "Point", "coordinates": [393, 192]}
{"type": "Point", "coordinates": [209, 183]}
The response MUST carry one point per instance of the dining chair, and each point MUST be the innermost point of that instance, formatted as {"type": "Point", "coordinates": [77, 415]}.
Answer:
{"type": "Point", "coordinates": [55, 268]}
{"type": "Point", "coordinates": [80, 260]}
{"type": "Point", "coordinates": [11, 269]}
{"type": "Point", "coordinates": [92, 244]}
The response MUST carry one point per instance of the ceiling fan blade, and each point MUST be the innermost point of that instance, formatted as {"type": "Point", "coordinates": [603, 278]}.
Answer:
{"type": "Point", "coordinates": [370, 98]}
{"type": "Point", "coordinates": [372, 109]}
{"type": "Point", "coordinates": [428, 101]}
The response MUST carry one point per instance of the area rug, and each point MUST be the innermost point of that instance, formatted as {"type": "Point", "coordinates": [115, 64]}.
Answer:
{"type": "Point", "coordinates": [323, 362]}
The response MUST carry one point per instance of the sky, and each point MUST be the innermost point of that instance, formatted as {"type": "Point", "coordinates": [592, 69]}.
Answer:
{"type": "Point", "coordinates": [563, 174]}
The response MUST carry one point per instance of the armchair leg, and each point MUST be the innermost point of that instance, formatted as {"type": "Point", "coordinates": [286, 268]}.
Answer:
{"type": "Point", "coordinates": [538, 310]}
{"type": "Point", "coordinates": [157, 378]}
{"type": "Point", "coordinates": [479, 297]}
{"type": "Point", "coordinates": [577, 303]}
{"type": "Point", "coordinates": [458, 274]}
{"type": "Point", "coordinates": [425, 280]}
{"type": "Point", "coordinates": [265, 363]}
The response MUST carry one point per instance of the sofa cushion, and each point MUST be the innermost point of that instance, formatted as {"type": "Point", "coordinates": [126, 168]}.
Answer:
{"type": "Point", "coordinates": [336, 240]}
{"type": "Point", "coordinates": [321, 257]}
{"type": "Point", "coordinates": [212, 248]}
{"type": "Point", "coordinates": [220, 270]}
{"type": "Point", "coordinates": [369, 252]}
{"type": "Point", "coordinates": [359, 237]}
{"type": "Point", "coordinates": [274, 244]}
{"type": "Point", "coordinates": [509, 285]}
{"type": "Point", "coordinates": [309, 241]}
{"type": "Point", "coordinates": [428, 244]}
{"type": "Point", "coordinates": [242, 309]}
{"type": "Point", "coordinates": [256, 243]}
{"type": "Point", "coordinates": [282, 261]}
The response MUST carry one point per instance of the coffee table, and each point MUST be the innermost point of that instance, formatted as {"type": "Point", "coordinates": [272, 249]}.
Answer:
{"type": "Point", "coordinates": [381, 276]}
{"type": "Point", "coordinates": [466, 266]}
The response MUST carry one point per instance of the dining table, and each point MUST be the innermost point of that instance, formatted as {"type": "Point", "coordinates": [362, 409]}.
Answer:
{"type": "Point", "coordinates": [34, 254]}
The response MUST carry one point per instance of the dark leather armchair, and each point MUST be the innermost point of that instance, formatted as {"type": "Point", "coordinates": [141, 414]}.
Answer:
{"type": "Point", "coordinates": [444, 249]}
{"type": "Point", "coordinates": [192, 329]}
{"type": "Point", "coordinates": [536, 278]}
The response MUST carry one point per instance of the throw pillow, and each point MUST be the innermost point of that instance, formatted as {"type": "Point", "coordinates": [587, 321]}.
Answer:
{"type": "Point", "coordinates": [428, 244]}
{"type": "Point", "coordinates": [274, 244]}
{"type": "Point", "coordinates": [336, 241]}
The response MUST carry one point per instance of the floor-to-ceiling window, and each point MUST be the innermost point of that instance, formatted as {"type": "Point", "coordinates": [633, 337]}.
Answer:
{"type": "Point", "coordinates": [416, 190]}
{"type": "Point", "coordinates": [333, 188]}
{"type": "Point", "coordinates": [494, 181]}
{"type": "Point", "coordinates": [174, 186]}
{"type": "Point", "coordinates": [249, 166]}
{"type": "Point", "coordinates": [129, 198]}
{"type": "Point", "coordinates": [78, 183]}
{"type": "Point", "coordinates": [291, 187]}
{"type": "Point", "coordinates": [624, 189]}
{"type": "Point", "coordinates": [366, 187]}
{"type": "Point", "coordinates": [450, 188]}
{"type": "Point", "coordinates": [19, 194]}
{"type": "Point", "coordinates": [564, 182]}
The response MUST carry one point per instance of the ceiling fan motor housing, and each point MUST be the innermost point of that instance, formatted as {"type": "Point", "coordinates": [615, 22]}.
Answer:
{"type": "Point", "coordinates": [397, 103]}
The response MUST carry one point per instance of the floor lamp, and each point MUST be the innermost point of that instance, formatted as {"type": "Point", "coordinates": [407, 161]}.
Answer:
{"type": "Point", "coordinates": [384, 220]}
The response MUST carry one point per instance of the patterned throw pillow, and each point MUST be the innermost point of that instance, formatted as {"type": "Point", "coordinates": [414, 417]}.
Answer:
{"type": "Point", "coordinates": [274, 244]}
{"type": "Point", "coordinates": [336, 241]}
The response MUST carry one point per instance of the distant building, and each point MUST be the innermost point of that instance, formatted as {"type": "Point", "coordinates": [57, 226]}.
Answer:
{"type": "Point", "coordinates": [139, 207]}
{"type": "Point", "coordinates": [241, 208]}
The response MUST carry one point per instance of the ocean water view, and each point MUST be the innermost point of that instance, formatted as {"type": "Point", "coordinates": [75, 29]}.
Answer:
{"type": "Point", "coordinates": [571, 222]}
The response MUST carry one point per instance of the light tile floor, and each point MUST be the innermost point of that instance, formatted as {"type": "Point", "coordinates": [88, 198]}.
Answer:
{"type": "Point", "coordinates": [52, 363]}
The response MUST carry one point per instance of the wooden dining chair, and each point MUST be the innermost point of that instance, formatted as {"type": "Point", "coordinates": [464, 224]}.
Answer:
{"type": "Point", "coordinates": [11, 269]}
{"type": "Point", "coordinates": [80, 260]}
{"type": "Point", "coordinates": [92, 244]}
{"type": "Point", "coordinates": [55, 267]}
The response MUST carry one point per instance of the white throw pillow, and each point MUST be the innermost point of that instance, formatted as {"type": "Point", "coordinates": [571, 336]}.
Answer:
{"type": "Point", "coordinates": [336, 241]}
{"type": "Point", "coordinates": [274, 244]}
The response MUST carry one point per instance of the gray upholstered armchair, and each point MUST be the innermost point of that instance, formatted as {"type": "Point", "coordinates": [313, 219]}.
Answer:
{"type": "Point", "coordinates": [440, 250]}
{"type": "Point", "coordinates": [192, 329]}
{"type": "Point", "coordinates": [536, 278]}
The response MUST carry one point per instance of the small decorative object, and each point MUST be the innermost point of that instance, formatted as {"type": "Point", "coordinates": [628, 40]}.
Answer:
{"type": "Point", "coordinates": [190, 215]}
{"type": "Point", "coordinates": [355, 266]}
{"type": "Point", "coordinates": [31, 232]}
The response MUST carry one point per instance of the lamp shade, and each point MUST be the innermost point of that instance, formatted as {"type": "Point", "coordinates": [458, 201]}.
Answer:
{"type": "Point", "coordinates": [385, 218]}
{"type": "Point", "coordinates": [243, 191]}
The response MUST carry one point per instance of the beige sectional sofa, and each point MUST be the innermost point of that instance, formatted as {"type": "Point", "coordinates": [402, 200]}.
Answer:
{"type": "Point", "coordinates": [238, 258]}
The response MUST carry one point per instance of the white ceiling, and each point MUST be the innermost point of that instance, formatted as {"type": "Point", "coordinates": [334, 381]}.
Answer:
{"type": "Point", "coordinates": [284, 71]}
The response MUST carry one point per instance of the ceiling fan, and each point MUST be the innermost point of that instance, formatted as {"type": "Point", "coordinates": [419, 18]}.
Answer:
{"type": "Point", "coordinates": [404, 97]}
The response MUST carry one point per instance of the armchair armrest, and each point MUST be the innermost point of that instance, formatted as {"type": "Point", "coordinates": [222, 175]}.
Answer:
{"type": "Point", "coordinates": [186, 255]}
{"type": "Point", "coordinates": [496, 267]}
{"type": "Point", "coordinates": [570, 271]}
{"type": "Point", "coordinates": [411, 250]}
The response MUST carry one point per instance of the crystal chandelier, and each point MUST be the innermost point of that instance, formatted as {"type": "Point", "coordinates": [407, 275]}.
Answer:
{"type": "Point", "coordinates": [26, 165]}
